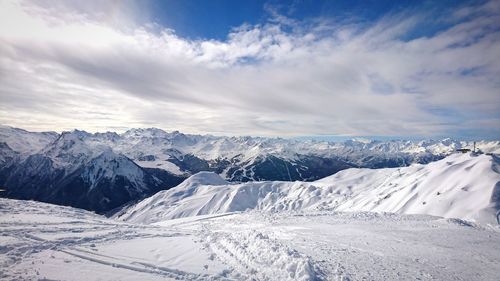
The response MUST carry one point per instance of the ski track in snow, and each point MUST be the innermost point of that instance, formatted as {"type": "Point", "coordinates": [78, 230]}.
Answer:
{"type": "Point", "coordinates": [243, 251]}
{"type": "Point", "coordinates": [28, 246]}
{"type": "Point", "coordinates": [352, 246]}
{"type": "Point", "coordinates": [41, 241]}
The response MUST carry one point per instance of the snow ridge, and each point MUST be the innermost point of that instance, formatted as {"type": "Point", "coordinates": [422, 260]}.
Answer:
{"type": "Point", "coordinates": [461, 186]}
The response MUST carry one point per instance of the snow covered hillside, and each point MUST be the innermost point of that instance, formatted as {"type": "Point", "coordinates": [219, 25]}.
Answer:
{"type": "Point", "coordinates": [101, 171]}
{"type": "Point", "coordinates": [40, 241]}
{"type": "Point", "coordinates": [462, 186]}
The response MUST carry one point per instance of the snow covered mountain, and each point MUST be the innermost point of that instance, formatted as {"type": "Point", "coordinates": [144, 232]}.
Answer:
{"type": "Point", "coordinates": [465, 186]}
{"type": "Point", "coordinates": [101, 171]}
{"type": "Point", "coordinates": [25, 142]}
{"type": "Point", "coordinates": [73, 171]}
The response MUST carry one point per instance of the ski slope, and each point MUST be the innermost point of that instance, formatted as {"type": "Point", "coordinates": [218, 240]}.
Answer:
{"type": "Point", "coordinates": [47, 242]}
{"type": "Point", "coordinates": [464, 186]}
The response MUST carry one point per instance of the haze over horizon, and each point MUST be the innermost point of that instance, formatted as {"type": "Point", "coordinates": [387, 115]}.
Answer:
{"type": "Point", "coordinates": [319, 138]}
{"type": "Point", "coordinates": [261, 68]}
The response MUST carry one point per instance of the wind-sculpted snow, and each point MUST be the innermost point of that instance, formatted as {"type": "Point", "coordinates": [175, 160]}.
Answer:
{"type": "Point", "coordinates": [47, 242]}
{"type": "Point", "coordinates": [461, 186]}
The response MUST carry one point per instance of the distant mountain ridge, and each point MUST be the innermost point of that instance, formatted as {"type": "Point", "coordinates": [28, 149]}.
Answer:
{"type": "Point", "coordinates": [101, 171]}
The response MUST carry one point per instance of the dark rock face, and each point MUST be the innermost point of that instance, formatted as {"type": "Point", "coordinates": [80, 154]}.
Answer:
{"type": "Point", "coordinates": [191, 163]}
{"type": "Point", "coordinates": [315, 167]}
{"type": "Point", "coordinates": [307, 168]}
{"type": "Point", "coordinates": [8, 160]}
{"type": "Point", "coordinates": [147, 158]}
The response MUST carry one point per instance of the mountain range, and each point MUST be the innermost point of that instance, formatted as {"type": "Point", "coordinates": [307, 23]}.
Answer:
{"type": "Point", "coordinates": [103, 171]}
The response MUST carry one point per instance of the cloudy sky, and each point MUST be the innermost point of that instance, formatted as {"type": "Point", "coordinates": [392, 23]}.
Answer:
{"type": "Point", "coordinates": [345, 68]}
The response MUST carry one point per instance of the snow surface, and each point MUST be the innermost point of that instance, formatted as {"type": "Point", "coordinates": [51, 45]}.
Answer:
{"type": "Point", "coordinates": [46, 242]}
{"type": "Point", "coordinates": [464, 186]}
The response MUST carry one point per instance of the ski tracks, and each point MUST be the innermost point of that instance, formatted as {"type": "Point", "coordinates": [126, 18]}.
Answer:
{"type": "Point", "coordinates": [27, 244]}
{"type": "Point", "coordinates": [255, 255]}
{"type": "Point", "coordinates": [139, 266]}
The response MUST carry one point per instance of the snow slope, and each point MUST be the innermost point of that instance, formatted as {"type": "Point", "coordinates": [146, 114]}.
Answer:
{"type": "Point", "coordinates": [25, 142]}
{"type": "Point", "coordinates": [47, 242]}
{"type": "Point", "coordinates": [462, 186]}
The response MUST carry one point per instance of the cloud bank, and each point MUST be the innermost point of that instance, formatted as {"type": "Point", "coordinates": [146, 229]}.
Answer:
{"type": "Point", "coordinates": [64, 66]}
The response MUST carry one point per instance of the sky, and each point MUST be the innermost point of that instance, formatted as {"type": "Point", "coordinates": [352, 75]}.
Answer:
{"type": "Point", "coordinates": [262, 68]}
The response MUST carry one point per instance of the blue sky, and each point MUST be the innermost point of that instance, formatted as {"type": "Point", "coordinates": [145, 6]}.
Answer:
{"type": "Point", "coordinates": [215, 19]}
{"type": "Point", "coordinates": [414, 69]}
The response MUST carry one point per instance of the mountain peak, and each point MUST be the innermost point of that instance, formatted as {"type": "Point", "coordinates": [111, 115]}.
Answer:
{"type": "Point", "coordinates": [205, 178]}
{"type": "Point", "coordinates": [79, 133]}
{"type": "Point", "coordinates": [142, 132]}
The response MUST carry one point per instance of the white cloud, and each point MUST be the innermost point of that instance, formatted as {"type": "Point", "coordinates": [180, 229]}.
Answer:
{"type": "Point", "coordinates": [80, 71]}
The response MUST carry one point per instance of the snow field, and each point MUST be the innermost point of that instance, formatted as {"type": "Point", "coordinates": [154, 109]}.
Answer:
{"type": "Point", "coordinates": [41, 241]}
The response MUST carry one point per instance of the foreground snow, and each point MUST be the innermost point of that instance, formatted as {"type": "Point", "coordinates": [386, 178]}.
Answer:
{"type": "Point", "coordinates": [461, 186]}
{"type": "Point", "coordinates": [41, 241]}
